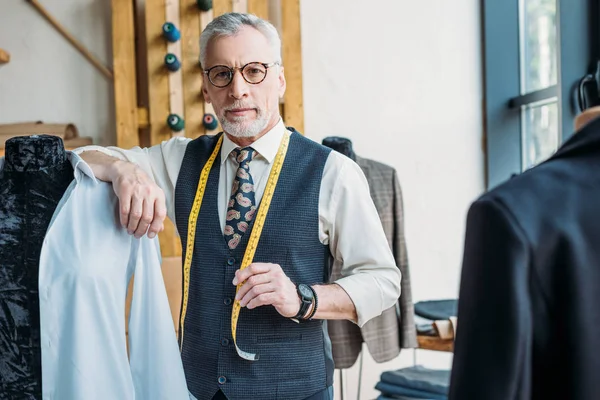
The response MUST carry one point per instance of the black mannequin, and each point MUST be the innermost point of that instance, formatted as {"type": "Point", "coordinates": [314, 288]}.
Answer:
{"type": "Point", "coordinates": [341, 145]}
{"type": "Point", "coordinates": [34, 177]}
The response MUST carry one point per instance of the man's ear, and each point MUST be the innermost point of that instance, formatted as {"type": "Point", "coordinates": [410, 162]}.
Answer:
{"type": "Point", "coordinates": [282, 83]}
{"type": "Point", "coordinates": [205, 91]}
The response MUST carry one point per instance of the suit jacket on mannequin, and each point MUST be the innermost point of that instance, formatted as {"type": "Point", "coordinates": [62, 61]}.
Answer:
{"type": "Point", "coordinates": [530, 286]}
{"type": "Point", "coordinates": [395, 328]}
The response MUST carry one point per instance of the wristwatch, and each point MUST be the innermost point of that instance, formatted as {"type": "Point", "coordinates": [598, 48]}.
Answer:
{"type": "Point", "coordinates": [306, 298]}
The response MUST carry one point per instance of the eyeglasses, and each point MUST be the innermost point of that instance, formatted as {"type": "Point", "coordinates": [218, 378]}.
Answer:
{"type": "Point", "coordinates": [253, 73]}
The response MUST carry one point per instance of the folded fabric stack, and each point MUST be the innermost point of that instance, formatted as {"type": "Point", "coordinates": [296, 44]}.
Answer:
{"type": "Point", "coordinates": [436, 318]}
{"type": "Point", "coordinates": [414, 383]}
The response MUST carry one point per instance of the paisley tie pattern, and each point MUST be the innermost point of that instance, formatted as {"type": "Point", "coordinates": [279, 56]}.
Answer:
{"type": "Point", "coordinates": [242, 204]}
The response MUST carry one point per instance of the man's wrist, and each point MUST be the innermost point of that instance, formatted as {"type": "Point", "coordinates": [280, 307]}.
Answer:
{"type": "Point", "coordinates": [117, 168]}
{"type": "Point", "coordinates": [306, 300]}
{"type": "Point", "coordinates": [311, 310]}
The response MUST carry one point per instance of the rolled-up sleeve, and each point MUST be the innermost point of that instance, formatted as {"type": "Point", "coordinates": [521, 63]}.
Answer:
{"type": "Point", "coordinates": [161, 162]}
{"type": "Point", "coordinates": [352, 228]}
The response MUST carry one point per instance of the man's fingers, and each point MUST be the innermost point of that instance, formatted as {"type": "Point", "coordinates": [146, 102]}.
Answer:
{"type": "Point", "coordinates": [252, 269]}
{"type": "Point", "coordinates": [160, 213]}
{"type": "Point", "coordinates": [254, 280]}
{"type": "Point", "coordinates": [263, 300]}
{"type": "Point", "coordinates": [124, 208]}
{"type": "Point", "coordinates": [146, 220]}
{"type": "Point", "coordinates": [135, 214]}
{"type": "Point", "coordinates": [255, 292]}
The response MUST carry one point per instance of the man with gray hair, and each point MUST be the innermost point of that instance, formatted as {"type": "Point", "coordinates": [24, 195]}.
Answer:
{"type": "Point", "coordinates": [262, 212]}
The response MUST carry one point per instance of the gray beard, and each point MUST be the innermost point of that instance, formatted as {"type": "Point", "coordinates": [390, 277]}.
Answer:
{"type": "Point", "coordinates": [241, 129]}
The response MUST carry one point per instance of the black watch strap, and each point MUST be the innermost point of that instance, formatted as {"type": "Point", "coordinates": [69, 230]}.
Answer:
{"type": "Point", "coordinates": [305, 293]}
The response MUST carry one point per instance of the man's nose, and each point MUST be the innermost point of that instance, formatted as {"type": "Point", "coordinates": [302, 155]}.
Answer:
{"type": "Point", "coordinates": [239, 87]}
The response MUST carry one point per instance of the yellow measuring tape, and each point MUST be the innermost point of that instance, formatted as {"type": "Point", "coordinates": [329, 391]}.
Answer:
{"type": "Point", "coordinates": [252, 241]}
{"type": "Point", "coordinates": [191, 234]}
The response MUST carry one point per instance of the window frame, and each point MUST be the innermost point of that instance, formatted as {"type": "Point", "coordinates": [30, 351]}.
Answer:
{"type": "Point", "coordinates": [576, 24]}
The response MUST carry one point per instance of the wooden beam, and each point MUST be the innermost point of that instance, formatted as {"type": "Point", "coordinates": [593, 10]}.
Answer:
{"type": "Point", "coordinates": [123, 36]}
{"type": "Point", "coordinates": [142, 114]}
{"type": "Point", "coordinates": [190, 67]}
{"type": "Point", "coordinates": [4, 57]}
{"type": "Point", "coordinates": [260, 8]}
{"type": "Point", "coordinates": [158, 79]}
{"type": "Point", "coordinates": [84, 52]}
{"type": "Point", "coordinates": [292, 60]}
{"type": "Point", "coordinates": [221, 7]}
{"type": "Point", "coordinates": [239, 6]}
{"type": "Point", "coordinates": [205, 18]}
{"type": "Point", "coordinates": [158, 101]}
{"type": "Point", "coordinates": [175, 77]}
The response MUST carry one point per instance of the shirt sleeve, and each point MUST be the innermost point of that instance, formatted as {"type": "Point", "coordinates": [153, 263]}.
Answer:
{"type": "Point", "coordinates": [161, 162]}
{"type": "Point", "coordinates": [155, 361]}
{"type": "Point", "coordinates": [352, 228]}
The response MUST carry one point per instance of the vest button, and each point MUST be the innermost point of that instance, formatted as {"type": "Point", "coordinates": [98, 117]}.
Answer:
{"type": "Point", "coordinates": [224, 342]}
{"type": "Point", "coordinates": [227, 301]}
{"type": "Point", "coordinates": [230, 261]}
{"type": "Point", "coordinates": [222, 380]}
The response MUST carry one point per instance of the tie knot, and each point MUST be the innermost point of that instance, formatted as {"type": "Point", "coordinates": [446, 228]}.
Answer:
{"type": "Point", "coordinates": [243, 155]}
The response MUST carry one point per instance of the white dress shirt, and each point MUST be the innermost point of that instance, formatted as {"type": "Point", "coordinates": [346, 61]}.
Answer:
{"type": "Point", "coordinates": [86, 263]}
{"type": "Point", "coordinates": [348, 220]}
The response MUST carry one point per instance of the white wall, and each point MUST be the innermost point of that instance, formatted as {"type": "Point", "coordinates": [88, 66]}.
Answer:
{"type": "Point", "coordinates": [47, 79]}
{"type": "Point", "coordinates": [402, 79]}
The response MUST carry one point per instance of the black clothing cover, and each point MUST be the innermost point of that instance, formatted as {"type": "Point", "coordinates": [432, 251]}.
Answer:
{"type": "Point", "coordinates": [35, 175]}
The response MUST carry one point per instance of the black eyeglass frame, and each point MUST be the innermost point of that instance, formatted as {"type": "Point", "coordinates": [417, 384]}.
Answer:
{"type": "Point", "coordinates": [241, 69]}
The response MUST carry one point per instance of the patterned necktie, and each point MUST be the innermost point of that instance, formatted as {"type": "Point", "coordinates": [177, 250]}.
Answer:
{"type": "Point", "coordinates": [242, 204]}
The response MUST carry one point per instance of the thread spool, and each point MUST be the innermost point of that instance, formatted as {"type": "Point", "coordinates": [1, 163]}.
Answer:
{"type": "Point", "coordinates": [209, 121]}
{"type": "Point", "coordinates": [170, 32]}
{"type": "Point", "coordinates": [175, 122]}
{"type": "Point", "coordinates": [172, 63]}
{"type": "Point", "coordinates": [204, 5]}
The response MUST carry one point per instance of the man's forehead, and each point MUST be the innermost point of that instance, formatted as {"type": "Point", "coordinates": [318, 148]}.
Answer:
{"type": "Point", "coordinates": [247, 45]}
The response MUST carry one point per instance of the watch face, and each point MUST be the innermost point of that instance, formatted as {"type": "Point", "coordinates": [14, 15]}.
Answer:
{"type": "Point", "coordinates": [306, 292]}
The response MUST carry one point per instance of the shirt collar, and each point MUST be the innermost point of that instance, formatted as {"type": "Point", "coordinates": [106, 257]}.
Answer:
{"type": "Point", "coordinates": [267, 145]}
{"type": "Point", "coordinates": [80, 167]}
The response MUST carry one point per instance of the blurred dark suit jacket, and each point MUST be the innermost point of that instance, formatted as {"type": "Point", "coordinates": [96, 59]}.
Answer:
{"type": "Point", "coordinates": [530, 288]}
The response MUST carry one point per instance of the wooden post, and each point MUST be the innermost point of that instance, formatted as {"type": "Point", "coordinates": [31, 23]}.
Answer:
{"type": "Point", "coordinates": [158, 101]}
{"type": "Point", "coordinates": [292, 61]}
{"type": "Point", "coordinates": [158, 80]}
{"type": "Point", "coordinates": [124, 73]}
{"type": "Point", "coordinates": [175, 77]}
{"type": "Point", "coordinates": [260, 8]}
{"type": "Point", "coordinates": [222, 7]}
{"type": "Point", "coordinates": [190, 68]}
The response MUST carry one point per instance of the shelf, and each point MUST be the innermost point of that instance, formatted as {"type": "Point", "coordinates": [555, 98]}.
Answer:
{"type": "Point", "coordinates": [435, 343]}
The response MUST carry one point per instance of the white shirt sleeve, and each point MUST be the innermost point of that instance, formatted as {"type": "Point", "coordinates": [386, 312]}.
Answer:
{"type": "Point", "coordinates": [351, 226]}
{"type": "Point", "coordinates": [161, 162]}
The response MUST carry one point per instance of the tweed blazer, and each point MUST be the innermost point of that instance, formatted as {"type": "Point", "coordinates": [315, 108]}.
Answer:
{"type": "Point", "coordinates": [395, 328]}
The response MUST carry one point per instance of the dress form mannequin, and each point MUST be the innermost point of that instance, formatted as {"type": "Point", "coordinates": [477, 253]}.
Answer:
{"type": "Point", "coordinates": [33, 179]}
{"type": "Point", "coordinates": [340, 144]}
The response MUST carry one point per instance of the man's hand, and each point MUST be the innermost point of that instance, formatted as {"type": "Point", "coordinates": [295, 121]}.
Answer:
{"type": "Point", "coordinates": [141, 202]}
{"type": "Point", "coordinates": [142, 206]}
{"type": "Point", "coordinates": [267, 284]}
